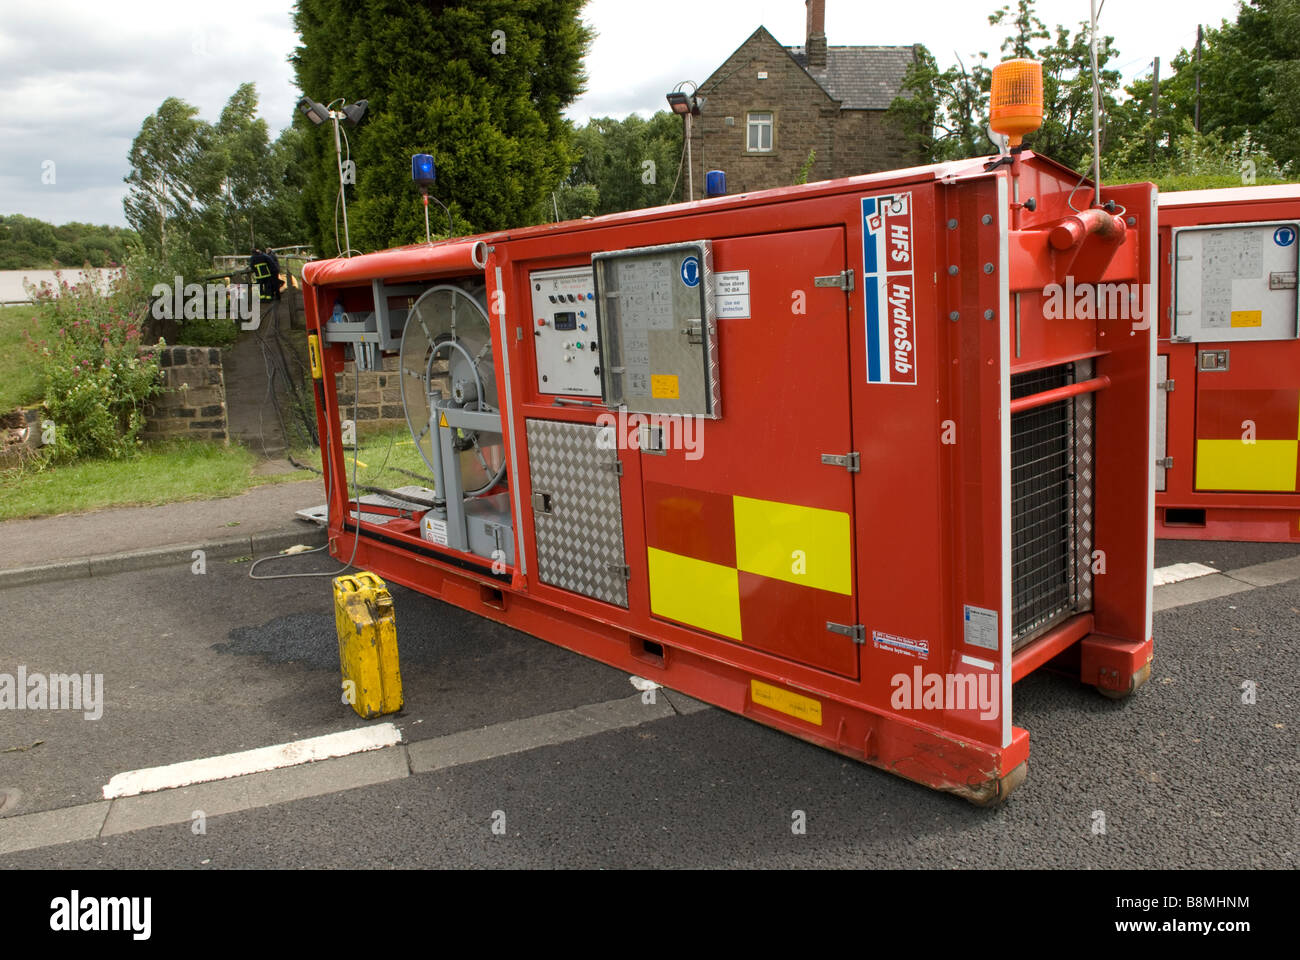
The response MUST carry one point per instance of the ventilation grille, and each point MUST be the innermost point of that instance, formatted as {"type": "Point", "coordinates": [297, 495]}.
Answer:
{"type": "Point", "coordinates": [1051, 504]}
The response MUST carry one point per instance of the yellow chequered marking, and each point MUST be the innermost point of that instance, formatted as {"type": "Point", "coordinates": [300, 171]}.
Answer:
{"type": "Point", "coordinates": [796, 705]}
{"type": "Point", "coordinates": [703, 594]}
{"type": "Point", "coordinates": [1234, 465]}
{"type": "Point", "coordinates": [804, 545]}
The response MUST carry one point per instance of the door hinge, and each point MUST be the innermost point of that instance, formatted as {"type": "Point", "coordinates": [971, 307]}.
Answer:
{"type": "Point", "coordinates": [854, 631]}
{"type": "Point", "coordinates": [1165, 385]}
{"type": "Point", "coordinates": [1177, 339]}
{"type": "Point", "coordinates": [613, 466]}
{"type": "Point", "coordinates": [843, 280]}
{"type": "Point", "coordinates": [1165, 463]}
{"type": "Point", "coordinates": [622, 569]}
{"type": "Point", "coordinates": [849, 461]}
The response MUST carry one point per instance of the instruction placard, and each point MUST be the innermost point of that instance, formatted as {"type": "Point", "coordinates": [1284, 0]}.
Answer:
{"type": "Point", "coordinates": [731, 294]}
{"type": "Point", "coordinates": [981, 627]}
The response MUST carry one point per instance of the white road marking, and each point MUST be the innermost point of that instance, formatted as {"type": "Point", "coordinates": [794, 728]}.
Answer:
{"type": "Point", "coordinates": [1177, 572]}
{"type": "Point", "coordinates": [224, 767]}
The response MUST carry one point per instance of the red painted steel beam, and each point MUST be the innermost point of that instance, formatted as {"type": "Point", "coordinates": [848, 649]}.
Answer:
{"type": "Point", "coordinates": [1060, 393]}
{"type": "Point", "coordinates": [1029, 658]}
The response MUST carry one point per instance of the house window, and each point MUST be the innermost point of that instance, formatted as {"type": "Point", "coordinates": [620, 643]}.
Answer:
{"type": "Point", "coordinates": [760, 132]}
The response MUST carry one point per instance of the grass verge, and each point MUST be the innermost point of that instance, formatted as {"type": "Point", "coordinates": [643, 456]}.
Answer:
{"type": "Point", "coordinates": [163, 473]}
{"type": "Point", "coordinates": [20, 377]}
{"type": "Point", "coordinates": [382, 457]}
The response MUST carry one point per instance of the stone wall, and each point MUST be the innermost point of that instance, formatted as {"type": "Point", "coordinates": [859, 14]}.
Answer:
{"type": "Point", "coordinates": [379, 400]}
{"type": "Point", "coordinates": [803, 116]}
{"type": "Point", "coordinates": [865, 141]}
{"type": "Point", "coordinates": [193, 402]}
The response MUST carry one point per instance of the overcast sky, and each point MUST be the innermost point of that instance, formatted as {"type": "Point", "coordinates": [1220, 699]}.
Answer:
{"type": "Point", "coordinates": [79, 76]}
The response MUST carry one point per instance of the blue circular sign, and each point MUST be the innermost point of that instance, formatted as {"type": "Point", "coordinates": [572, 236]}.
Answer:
{"type": "Point", "coordinates": [1284, 236]}
{"type": "Point", "coordinates": [691, 271]}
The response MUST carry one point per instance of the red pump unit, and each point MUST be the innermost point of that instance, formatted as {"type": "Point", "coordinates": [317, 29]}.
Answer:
{"type": "Point", "coordinates": [847, 458]}
{"type": "Point", "coordinates": [1228, 424]}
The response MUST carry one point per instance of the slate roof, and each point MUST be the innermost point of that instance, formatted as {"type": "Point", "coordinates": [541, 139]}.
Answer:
{"type": "Point", "coordinates": [861, 78]}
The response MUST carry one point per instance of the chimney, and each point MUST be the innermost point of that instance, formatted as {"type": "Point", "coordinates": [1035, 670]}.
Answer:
{"type": "Point", "coordinates": [815, 44]}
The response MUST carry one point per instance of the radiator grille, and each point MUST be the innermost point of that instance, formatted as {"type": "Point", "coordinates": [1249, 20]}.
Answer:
{"type": "Point", "coordinates": [1051, 504]}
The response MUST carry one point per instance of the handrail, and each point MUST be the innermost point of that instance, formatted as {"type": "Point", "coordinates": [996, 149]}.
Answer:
{"type": "Point", "coordinates": [1035, 400]}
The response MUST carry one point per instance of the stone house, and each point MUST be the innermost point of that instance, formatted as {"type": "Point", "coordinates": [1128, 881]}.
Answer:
{"type": "Point", "coordinates": [769, 106]}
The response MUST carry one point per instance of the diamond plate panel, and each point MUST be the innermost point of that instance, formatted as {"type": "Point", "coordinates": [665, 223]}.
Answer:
{"type": "Point", "coordinates": [1083, 487]}
{"type": "Point", "coordinates": [577, 510]}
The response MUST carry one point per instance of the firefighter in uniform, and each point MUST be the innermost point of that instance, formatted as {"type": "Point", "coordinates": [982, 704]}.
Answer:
{"type": "Point", "coordinates": [266, 271]}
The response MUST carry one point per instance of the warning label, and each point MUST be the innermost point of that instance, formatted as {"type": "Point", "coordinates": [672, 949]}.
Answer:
{"type": "Point", "coordinates": [434, 530]}
{"type": "Point", "coordinates": [731, 294]}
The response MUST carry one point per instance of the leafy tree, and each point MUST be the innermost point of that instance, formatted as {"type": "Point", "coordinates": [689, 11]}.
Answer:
{"type": "Point", "coordinates": [942, 110]}
{"type": "Point", "coordinates": [175, 182]}
{"type": "Point", "coordinates": [1250, 79]}
{"type": "Point", "coordinates": [198, 189]}
{"type": "Point", "coordinates": [27, 243]}
{"type": "Point", "coordinates": [241, 138]}
{"type": "Point", "coordinates": [1248, 107]}
{"type": "Point", "coordinates": [1066, 133]}
{"type": "Point", "coordinates": [625, 164]}
{"type": "Point", "coordinates": [480, 86]}
{"type": "Point", "coordinates": [1028, 28]}
{"type": "Point", "coordinates": [948, 109]}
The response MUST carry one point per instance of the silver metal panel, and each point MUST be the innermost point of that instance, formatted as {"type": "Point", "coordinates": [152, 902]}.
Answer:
{"type": "Point", "coordinates": [487, 521]}
{"type": "Point", "coordinates": [1230, 281]}
{"type": "Point", "coordinates": [577, 510]}
{"type": "Point", "coordinates": [659, 331]}
{"type": "Point", "coordinates": [565, 341]}
{"type": "Point", "coordinates": [1162, 420]}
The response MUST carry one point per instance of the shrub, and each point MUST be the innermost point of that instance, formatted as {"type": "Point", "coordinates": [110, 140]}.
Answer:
{"type": "Point", "coordinates": [98, 375]}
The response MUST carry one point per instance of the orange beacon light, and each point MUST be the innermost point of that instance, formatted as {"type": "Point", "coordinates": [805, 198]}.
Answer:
{"type": "Point", "coordinates": [1016, 99]}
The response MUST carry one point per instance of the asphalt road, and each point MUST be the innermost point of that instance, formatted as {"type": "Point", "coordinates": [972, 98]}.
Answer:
{"type": "Point", "coordinates": [1184, 774]}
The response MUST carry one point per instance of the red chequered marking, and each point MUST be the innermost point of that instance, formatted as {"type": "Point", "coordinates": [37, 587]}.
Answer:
{"type": "Point", "coordinates": [1220, 413]}
{"type": "Point", "coordinates": [692, 523]}
{"type": "Point", "coordinates": [790, 620]}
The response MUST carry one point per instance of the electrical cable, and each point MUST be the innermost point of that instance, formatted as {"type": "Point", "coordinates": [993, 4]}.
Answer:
{"type": "Point", "coordinates": [356, 529]}
{"type": "Point", "coordinates": [450, 228]}
{"type": "Point", "coordinates": [677, 179]}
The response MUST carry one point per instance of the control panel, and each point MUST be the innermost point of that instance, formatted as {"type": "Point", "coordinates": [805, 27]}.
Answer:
{"type": "Point", "coordinates": [565, 338]}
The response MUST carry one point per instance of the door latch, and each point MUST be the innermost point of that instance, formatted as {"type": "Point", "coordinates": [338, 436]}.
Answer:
{"type": "Point", "coordinates": [1213, 360]}
{"type": "Point", "coordinates": [849, 461]}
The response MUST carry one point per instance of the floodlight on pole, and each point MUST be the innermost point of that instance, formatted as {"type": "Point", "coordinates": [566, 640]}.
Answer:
{"type": "Point", "coordinates": [352, 113]}
{"type": "Point", "coordinates": [686, 105]}
{"type": "Point", "coordinates": [315, 112]}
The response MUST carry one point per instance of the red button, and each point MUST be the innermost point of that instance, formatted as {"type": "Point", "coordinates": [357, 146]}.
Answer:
{"type": "Point", "coordinates": [541, 321]}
